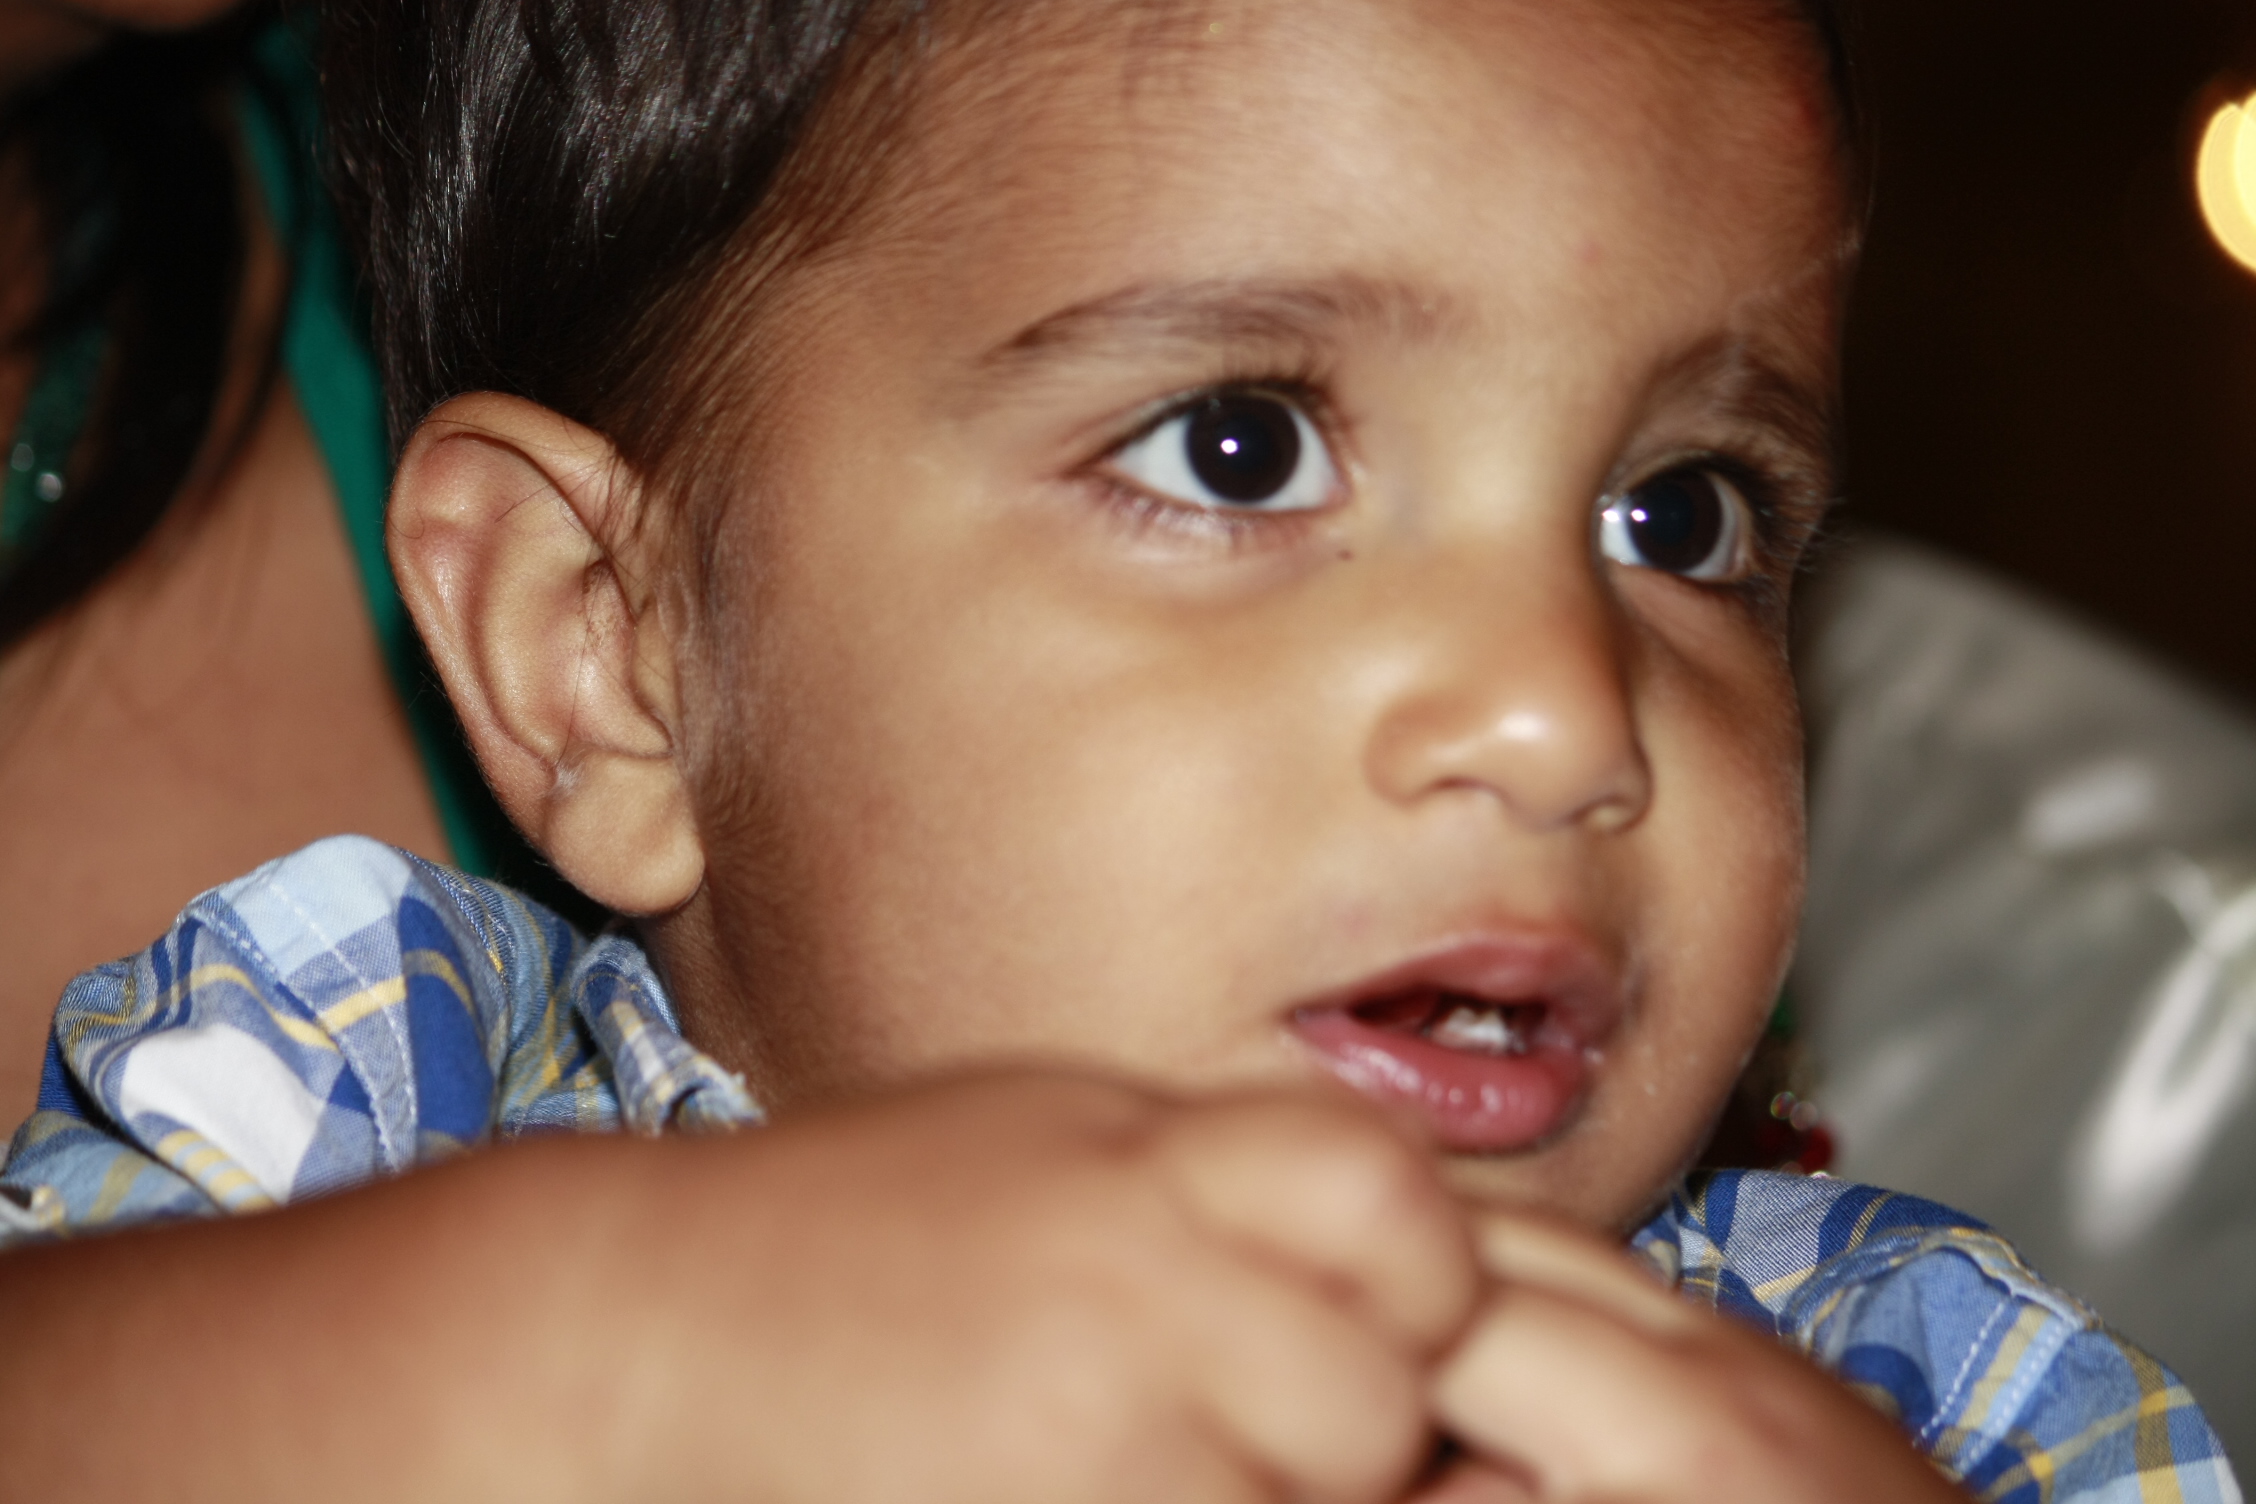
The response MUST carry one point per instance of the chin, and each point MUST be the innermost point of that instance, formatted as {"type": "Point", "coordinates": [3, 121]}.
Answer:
{"type": "Point", "coordinates": [1580, 1175]}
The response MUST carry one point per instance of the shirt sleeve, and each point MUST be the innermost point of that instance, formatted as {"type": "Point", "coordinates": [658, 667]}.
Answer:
{"type": "Point", "coordinates": [2105, 1422]}
{"type": "Point", "coordinates": [336, 1016]}
{"type": "Point", "coordinates": [2012, 1386]}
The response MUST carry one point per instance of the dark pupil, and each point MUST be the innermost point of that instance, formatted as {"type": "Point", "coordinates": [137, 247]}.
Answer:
{"type": "Point", "coordinates": [1245, 449]}
{"type": "Point", "coordinates": [1676, 520]}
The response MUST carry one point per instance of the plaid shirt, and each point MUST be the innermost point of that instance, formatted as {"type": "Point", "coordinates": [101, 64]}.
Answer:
{"type": "Point", "coordinates": [352, 1011]}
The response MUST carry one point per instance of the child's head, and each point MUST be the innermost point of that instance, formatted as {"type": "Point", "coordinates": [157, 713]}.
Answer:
{"type": "Point", "coordinates": [1220, 540]}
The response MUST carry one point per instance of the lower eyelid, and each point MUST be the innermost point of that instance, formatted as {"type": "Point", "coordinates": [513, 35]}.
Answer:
{"type": "Point", "coordinates": [1146, 512]}
{"type": "Point", "coordinates": [1140, 515]}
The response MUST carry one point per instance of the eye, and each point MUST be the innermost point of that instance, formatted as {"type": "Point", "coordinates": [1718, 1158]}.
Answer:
{"type": "Point", "coordinates": [1689, 521]}
{"type": "Point", "coordinates": [1234, 452]}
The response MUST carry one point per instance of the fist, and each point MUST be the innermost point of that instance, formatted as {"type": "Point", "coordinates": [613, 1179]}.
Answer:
{"type": "Point", "coordinates": [1052, 1289]}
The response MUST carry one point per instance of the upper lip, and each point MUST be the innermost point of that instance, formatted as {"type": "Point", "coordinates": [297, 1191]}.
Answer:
{"type": "Point", "coordinates": [1580, 990]}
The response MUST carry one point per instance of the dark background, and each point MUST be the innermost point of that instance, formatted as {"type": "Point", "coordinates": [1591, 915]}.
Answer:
{"type": "Point", "coordinates": [2052, 368]}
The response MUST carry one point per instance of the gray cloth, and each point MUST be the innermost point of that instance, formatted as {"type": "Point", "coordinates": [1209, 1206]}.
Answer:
{"type": "Point", "coordinates": [2028, 964]}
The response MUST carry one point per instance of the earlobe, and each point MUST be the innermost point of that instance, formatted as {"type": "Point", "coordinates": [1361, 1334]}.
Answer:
{"type": "Point", "coordinates": [515, 535]}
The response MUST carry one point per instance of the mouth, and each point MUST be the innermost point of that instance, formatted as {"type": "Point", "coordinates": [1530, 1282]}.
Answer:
{"type": "Point", "coordinates": [1491, 1043]}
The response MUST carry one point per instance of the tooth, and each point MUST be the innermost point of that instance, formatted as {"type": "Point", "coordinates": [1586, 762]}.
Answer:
{"type": "Point", "coordinates": [1484, 1031]}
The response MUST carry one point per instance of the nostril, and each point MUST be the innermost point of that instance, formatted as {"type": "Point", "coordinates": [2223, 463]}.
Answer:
{"type": "Point", "coordinates": [1612, 816]}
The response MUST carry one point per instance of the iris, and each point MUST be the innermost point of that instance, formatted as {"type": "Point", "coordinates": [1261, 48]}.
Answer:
{"type": "Point", "coordinates": [1245, 449]}
{"type": "Point", "coordinates": [1675, 520]}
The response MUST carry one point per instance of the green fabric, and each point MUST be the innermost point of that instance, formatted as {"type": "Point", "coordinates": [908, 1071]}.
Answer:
{"type": "Point", "coordinates": [325, 351]}
{"type": "Point", "coordinates": [38, 455]}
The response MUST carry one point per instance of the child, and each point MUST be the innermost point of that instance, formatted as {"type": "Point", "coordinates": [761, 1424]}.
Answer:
{"type": "Point", "coordinates": [1085, 569]}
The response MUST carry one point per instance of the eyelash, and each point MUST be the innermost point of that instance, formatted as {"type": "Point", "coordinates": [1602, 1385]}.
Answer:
{"type": "Point", "coordinates": [1787, 501]}
{"type": "Point", "coordinates": [1143, 513]}
{"type": "Point", "coordinates": [1787, 504]}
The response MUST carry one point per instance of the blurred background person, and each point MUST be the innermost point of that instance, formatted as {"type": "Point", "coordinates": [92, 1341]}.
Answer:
{"type": "Point", "coordinates": [203, 663]}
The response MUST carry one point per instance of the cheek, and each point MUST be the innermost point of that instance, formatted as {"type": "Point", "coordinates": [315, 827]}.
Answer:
{"type": "Point", "coordinates": [1734, 857]}
{"type": "Point", "coordinates": [1722, 728]}
{"type": "Point", "coordinates": [1724, 880]}
{"type": "Point", "coordinates": [1007, 820]}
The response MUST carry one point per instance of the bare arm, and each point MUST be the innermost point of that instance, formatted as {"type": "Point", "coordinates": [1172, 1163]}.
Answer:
{"type": "Point", "coordinates": [437, 1337]}
{"type": "Point", "coordinates": [1033, 1289]}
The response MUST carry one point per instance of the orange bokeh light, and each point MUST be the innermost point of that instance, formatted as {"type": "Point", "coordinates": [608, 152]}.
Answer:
{"type": "Point", "coordinates": [2225, 178]}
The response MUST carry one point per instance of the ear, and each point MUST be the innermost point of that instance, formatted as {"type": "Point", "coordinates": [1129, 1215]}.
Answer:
{"type": "Point", "coordinates": [515, 537]}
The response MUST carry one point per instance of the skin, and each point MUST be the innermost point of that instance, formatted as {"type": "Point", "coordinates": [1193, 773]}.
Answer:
{"type": "Point", "coordinates": [1040, 775]}
{"type": "Point", "coordinates": [1583, 1380]}
{"type": "Point", "coordinates": [216, 701]}
{"type": "Point", "coordinates": [997, 1291]}
{"type": "Point", "coordinates": [967, 752]}
{"type": "Point", "coordinates": [967, 771]}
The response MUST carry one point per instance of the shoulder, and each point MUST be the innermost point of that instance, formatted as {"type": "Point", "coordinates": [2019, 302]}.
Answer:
{"type": "Point", "coordinates": [1763, 1246]}
{"type": "Point", "coordinates": [340, 903]}
{"type": "Point", "coordinates": [410, 982]}
{"type": "Point", "coordinates": [344, 1012]}
{"type": "Point", "coordinates": [2010, 1383]}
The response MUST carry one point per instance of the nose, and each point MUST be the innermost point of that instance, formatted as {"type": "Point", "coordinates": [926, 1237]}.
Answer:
{"type": "Point", "coordinates": [1516, 689]}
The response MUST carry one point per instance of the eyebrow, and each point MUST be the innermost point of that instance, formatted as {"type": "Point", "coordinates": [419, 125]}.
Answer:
{"type": "Point", "coordinates": [1731, 374]}
{"type": "Point", "coordinates": [1227, 312]}
{"type": "Point", "coordinates": [1728, 371]}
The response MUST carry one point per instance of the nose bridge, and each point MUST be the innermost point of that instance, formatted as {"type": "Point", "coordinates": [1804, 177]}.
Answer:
{"type": "Point", "coordinates": [1514, 682]}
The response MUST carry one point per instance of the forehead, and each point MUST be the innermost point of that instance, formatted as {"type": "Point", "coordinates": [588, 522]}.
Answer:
{"type": "Point", "coordinates": [1487, 155]}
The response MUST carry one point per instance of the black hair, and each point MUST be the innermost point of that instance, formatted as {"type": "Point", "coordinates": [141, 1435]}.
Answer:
{"type": "Point", "coordinates": [533, 181]}
{"type": "Point", "coordinates": [132, 176]}
{"type": "Point", "coordinates": [540, 185]}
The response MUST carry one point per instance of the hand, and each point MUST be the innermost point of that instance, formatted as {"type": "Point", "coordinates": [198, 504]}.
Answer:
{"type": "Point", "coordinates": [1583, 1379]}
{"type": "Point", "coordinates": [1053, 1290]}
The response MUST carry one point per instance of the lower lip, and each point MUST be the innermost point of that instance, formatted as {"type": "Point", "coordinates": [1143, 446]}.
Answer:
{"type": "Point", "coordinates": [1472, 1103]}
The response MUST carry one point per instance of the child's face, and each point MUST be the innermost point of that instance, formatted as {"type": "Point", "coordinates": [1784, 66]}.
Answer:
{"type": "Point", "coordinates": [1056, 711]}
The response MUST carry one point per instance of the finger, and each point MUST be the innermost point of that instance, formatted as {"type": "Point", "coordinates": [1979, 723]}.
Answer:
{"type": "Point", "coordinates": [1315, 1400]}
{"type": "Point", "coordinates": [1592, 1406]}
{"type": "Point", "coordinates": [1589, 1405]}
{"type": "Point", "coordinates": [1470, 1480]}
{"type": "Point", "coordinates": [1517, 1248]}
{"type": "Point", "coordinates": [1329, 1188]}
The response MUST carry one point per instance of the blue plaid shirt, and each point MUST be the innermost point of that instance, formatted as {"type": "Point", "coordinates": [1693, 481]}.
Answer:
{"type": "Point", "coordinates": [352, 1011]}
